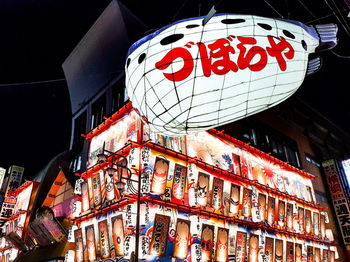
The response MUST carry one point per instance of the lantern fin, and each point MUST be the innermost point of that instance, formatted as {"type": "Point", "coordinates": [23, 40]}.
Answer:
{"type": "Point", "coordinates": [314, 65]}
{"type": "Point", "coordinates": [328, 36]}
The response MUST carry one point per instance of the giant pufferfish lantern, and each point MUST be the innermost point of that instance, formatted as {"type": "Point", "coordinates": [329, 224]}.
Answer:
{"type": "Point", "coordinates": [186, 77]}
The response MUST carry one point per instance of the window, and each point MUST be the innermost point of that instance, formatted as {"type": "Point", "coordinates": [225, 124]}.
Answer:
{"type": "Point", "coordinates": [98, 111]}
{"type": "Point", "coordinates": [78, 141]}
{"type": "Point", "coordinates": [312, 161]}
{"type": "Point", "coordinates": [118, 95]}
{"type": "Point", "coordinates": [269, 140]}
{"type": "Point", "coordinates": [79, 129]}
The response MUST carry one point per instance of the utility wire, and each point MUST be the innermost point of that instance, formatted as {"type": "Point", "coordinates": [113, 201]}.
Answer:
{"type": "Point", "coordinates": [274, 9]}
{"type": "Point", "coordinates": [34, 83]}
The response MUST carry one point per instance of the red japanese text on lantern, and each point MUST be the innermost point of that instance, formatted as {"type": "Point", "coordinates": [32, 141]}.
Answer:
{"type": "Point", "coordinates": [215, 57]}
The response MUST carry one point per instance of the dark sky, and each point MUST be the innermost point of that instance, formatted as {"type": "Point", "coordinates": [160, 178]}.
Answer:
{"type": "Point", "coordinates": [37, 36]}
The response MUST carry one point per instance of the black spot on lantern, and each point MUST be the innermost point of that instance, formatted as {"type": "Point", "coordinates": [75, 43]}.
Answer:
{"type": "Point", "coordinates": [288, 34]}
{"type": "Point", "coordinates": [191, 26]}
{"type": "Point", "coordinates": [232, 21]}
{"type": "Point", "coordinates": [303, 43]}
{"type": "Point", "coordinates": [265, 26]}
{"type": "Point", "coordinates": [171, 39]}
{"type": "Point", "coordinates": [128, 62]}
{"type": "Point", "coordinates": [141, 58]}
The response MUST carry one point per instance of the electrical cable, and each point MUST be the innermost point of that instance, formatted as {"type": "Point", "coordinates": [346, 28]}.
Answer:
{"type": "Point", "coordinates": [34, 83]}
{"type": "Point", "coordinates": [274, 9]}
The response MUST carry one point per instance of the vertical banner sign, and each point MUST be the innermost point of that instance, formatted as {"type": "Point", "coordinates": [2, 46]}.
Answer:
{"type": "Point", "coordinates": [340, 202]}
{"type": "Point", "coordinates": [255, 207]}
{"type": "Point", "coordinates": [207, 240]}
{"type": "Point", "coordinates": [118, 235]}
{"type": "Point", "coordinates": [195, 225]}
{"type": "Point", "coordinates": [96, 185]}
{"type": "Point", "coordinates": [196, 252]}
{"type": "Point", "coordinates": [279, 250]}
{"type": "Point", "coordinates": [301, 219]}
{"type": "Point", "coordinates": [15, 179]}
{"type": "Point", "coordinates": [241, 246]}
{"type": "Point", "coordinates": [308, 226]}
{"type": "Point", "coordinates": [103, 186]}
{"type": "Point", "coordinates": [262, 206]}
{"type": "Point", "coordinates": [323, 226]}
{"type": "Point", "coordinates": [310, 255]}
{"type": "Point", "coordinates": [69, 256]}
{"type": "Point", "coordinates": [77, 186]}
{"type": "Point", "coordinates": [130, 216]}
{"type": "Point", "coordinates": [289, 219]}
{"type": "Point", "coordinates": [316, 223]}
{"type": "Point", "coordinates": [179, 181]}
{"type": "Point", "coordinates": [2, 175]}
{"type": "Point", "coordinates": [104, 239]}
{"type": "Point", "coordinates": [298, 253]}
{"type": "Point", "coordinates": [91, 193]}
{"type": "Point", "coordinates": [236, 165]}
{"type": "Point", "coordinates": [234, 199]}
{"type": "Point", "coordinates": [332, 259]}
{"type": "Point", "coordinates": [182, 236]}
{"type": "Point", "coordinates": [129, 246]}
{"type": "Point", "coordinates": [218, 187]}
{"type": "Point", "coordinates": [247, 202]}
{"type": "Point", "coordinates": [144, 214]}
{"type": "Point", "coordinates": [79, 248]}
{"type": "Point", "coordinates": [91, 243]}
{"type": "Point", "coordinates": [144, 246]}
{"type": "Point", "coordinates": [290, 252]}
{"type": "Point", "coordinates": [269, 249]}
{"type": "Point", "coordinates": [85, 197]}
{"type": "Point", "coordinates": [160, 174]}
{"type": "Point", "coordinates": [222, 245]}
{"type": "Point", "coordinates": [271, 210]}
{"type": "Point", "coordinates": [160, 235]}
{"type": "Point", "coordinates": [146, 179]}
{"type": "Point", "coordinates": [281, 212]}
{"type": "Point", "coordinates": [253, 248]}
{"type": "Point", "coordinates": [202, 189]}
{"type": "Point", "coordinates": [110, 195]}
{"type": "Point", "coordinates": [317, 255]}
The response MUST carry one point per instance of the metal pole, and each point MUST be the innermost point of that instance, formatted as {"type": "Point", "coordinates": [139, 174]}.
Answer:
{"type": "Point", "coordinates": [138, 217]}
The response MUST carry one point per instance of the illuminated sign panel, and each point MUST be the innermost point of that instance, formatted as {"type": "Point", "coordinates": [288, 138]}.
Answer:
{"type": "Point", "coordinates": [339, 198]}
{"type": "Point", "coordinates": [210, 199]}
{"type": "Point", "coordinates": [187, 77]}
{"type": "Point", "coordinates": [2, 175]}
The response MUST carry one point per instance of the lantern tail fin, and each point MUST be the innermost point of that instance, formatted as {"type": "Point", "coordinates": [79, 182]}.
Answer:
{"type": "Point", "coordinates": [314, 65]}
{"type": "Point", "coordinates": [328, 36]}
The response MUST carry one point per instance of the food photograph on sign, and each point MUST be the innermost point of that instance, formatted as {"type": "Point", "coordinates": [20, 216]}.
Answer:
{"type": "Point", "coordinates": [253, 255]}
{"type": "Point", "coordinates": [182, 237]}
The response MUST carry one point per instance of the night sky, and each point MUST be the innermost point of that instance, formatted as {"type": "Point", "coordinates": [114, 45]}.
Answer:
{"type": "Point", "coordinates": [37, 36]}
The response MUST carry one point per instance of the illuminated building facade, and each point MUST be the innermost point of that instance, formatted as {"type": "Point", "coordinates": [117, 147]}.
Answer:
{"type": "Point", "coordinates": [236, 201]}
{"type": "Point", "coordinates": [202, 196]}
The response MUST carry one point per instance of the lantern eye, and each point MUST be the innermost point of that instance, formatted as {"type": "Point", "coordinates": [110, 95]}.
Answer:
{"type": "Point", "coordinates": [232, 21]}
{"type": "Point", "coordinates": [303, 43]}
{"type": "Point", "coordinates": [141, 58]}
{"type": "Point", "coordinates": [128, 62]}
{"type": "Point", "coordinates": [191, 26]}
{"type": "Point", "coordinates": [171, 39]}
{"type": "Point", "coordinates": [265, 26]}
{"type": "Point", "coordinates": [288, 34]}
